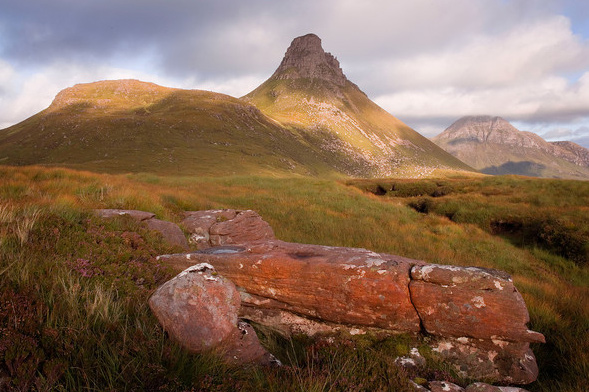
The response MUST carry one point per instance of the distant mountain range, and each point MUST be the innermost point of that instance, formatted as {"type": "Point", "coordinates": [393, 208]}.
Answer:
{"type": "Point", "coordinates": [306, 119]}
{"type": "Point", "coordinates": [493, 146]}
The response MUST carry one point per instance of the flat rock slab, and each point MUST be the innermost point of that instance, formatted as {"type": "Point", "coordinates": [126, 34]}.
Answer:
{"type": "Point", "coordinates": [135, 214]}
{"type": "Point", "coordinates": [339, 285]}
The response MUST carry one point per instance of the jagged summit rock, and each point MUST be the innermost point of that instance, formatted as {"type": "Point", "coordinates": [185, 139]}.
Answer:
{"type": "Point", "coordinates": [305, 58]}
{"type": "Point", "coordinates": [494, 146]}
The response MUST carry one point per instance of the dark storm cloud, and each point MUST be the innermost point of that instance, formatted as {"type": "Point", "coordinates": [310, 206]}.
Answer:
{"type": "Point", "coordinates": [181, 36]}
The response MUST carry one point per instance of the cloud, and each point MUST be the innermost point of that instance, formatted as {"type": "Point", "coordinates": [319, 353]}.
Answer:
{"type": "Point", "coordinates": [428, 62]}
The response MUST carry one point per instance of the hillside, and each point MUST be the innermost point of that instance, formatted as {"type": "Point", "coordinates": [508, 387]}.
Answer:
{"type": "Point", "coordinates": [316, 123]}
{"type": "Point", "coordinates": [310, 95]}
{"type": "Point", "coordinates": [132, 126]}
{"type": "Point", "coordinates": [74, 287]}
{"type": "Point", "coordinates": [494, 146]}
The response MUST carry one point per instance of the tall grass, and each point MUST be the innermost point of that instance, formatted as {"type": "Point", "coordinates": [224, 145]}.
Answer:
{"type": "Point", "coordinates": [80, 285]}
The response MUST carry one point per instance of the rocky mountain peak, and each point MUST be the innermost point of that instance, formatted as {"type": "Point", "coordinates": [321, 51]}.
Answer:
{"type": "Point", "coordinates": [305, 58]}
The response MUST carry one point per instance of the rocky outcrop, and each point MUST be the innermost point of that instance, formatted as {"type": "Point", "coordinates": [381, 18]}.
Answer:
{"type": "Point", "coordinates": [476, 317]}
{"type": "Point", "coordinates": [171, 232]}
{"type": "Point", "coordinates": [225, 227]}
{"type": "Point", "coordinates": [573, 152]}
{"type": "Point", "coordinates": [305, 58]}
{"type": "Point", "coordinates": [198, 308]}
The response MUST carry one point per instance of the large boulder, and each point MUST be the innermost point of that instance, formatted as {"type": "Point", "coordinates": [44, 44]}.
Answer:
{"type": "Point", "coordinates": [225, 227]}
{"type": "Point", "coordinates": [171, 232]}
{"type": "Point", "coordinates": [480, 318]}
{"type": "Point", "coordinates": [199, 309]}
{"type": "Point", "coordinates": [470, 302]}
{"type": "Point", "coordinates": [475, 317]}
{"type": "Point", "coordinates": [336, 285]}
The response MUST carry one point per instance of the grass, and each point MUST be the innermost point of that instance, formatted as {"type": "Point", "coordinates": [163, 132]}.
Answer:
{"type": "Point", "coordinates": [74, 289]}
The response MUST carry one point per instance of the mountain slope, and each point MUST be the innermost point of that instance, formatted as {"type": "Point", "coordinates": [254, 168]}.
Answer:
{"type": "Point", "coordinates": [132, 126]}
{"type": "Point", "coordinates": [307, 119]}
{"type": "Point", "coordinates": [310, 95]}
{"type": "Point", "coordinates": [493, 146]}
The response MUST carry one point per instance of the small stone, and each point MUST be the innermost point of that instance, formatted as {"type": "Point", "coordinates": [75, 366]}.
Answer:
{"type": "Point", "coordinates": [444, 386]}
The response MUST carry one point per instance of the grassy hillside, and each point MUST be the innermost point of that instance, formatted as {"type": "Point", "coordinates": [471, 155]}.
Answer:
{"type": "Point", "coordinates": [74, 289]}
{"type": "Point", "coordinates": [345, 119]}
{"type": "Point", "coordinates": [132, 126]}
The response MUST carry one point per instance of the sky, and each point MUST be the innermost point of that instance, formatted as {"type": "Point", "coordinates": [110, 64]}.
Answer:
{"type": "Point", "coordinates": [427, 62]}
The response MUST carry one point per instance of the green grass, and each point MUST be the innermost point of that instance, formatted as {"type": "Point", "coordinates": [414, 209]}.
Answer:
{"type": "Point", "coordinates": [74, 289]}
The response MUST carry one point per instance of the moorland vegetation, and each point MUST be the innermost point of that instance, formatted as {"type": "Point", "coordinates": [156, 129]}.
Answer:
{"type": "Point", "coordinates": [74, 288]}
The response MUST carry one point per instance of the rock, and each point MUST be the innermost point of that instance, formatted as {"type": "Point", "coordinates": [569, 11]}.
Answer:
{"type": "Point", "coordinates": [171, 232]}
{"type": "Point", "coordinates": [444, 386]}
{"type": "Point", "coordinates": [305, 58]}
{"type": "Point", "coordinates": [225, 227]}
{"type": "Point", "coordinates": [135, 214]}
{"type": "Point", "coordinates": [470, 302]}
{"type": "Point", "coordinates": [417, 387]}
{"type": "Point", "coordinates": [348, 286]}
{"type": "Point", "coordinates": [198, 308]}
{"type": "Point", "coordinates": [247, 226]}
{"type": "Point", "coordinates": [411, 361]}
{"type": "Point", "coordinates": [493, 360]}
{"type": "Point", "coordinates": [481, 387]}
{"type": "Point", "coordinates": [244, 347]}
{"type": "Point", "coordinates": [475, 318]}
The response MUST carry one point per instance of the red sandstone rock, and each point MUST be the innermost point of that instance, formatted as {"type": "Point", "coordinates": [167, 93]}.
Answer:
{"type": "Point", "coordinates": [470, 302]}
{"type": "Point", "coordinates": [198, 308]}
{"type": "Point", "coordinates": [169, 231]}
{"type": "Point", "coordinates": [225, 227]}
{"type": "Point", "coordinates": [338, 285]}
{"type": "Point", "coordinates": [481, 387]}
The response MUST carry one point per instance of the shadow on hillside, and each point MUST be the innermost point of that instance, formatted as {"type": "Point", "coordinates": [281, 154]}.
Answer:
{"type": "Point", "coordinates": [523, 168]}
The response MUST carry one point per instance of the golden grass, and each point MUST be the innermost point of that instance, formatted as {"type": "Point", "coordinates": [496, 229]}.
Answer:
{"type": "Point", "coordinates": [327, 212]}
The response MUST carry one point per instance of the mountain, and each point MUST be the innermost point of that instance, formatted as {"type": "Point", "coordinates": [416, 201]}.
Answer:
{"type": "Point", "coordinates": [310, 95]}
{"type": "Point", "coordinates": [132, 126]}
{"type": "Point", "coordinates": [494, 146]}
{"type": "Point", "coordinates": [307, 119]}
